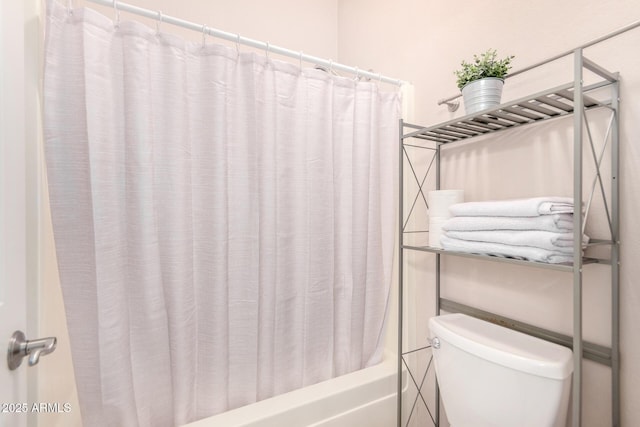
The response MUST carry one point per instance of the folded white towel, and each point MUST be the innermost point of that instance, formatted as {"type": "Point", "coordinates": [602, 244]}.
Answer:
{"type": "Point", "coordinates": [559, 242]}
{"type": "Point", "coordinates": [516, 207]}
{"type": "Point", "coordinates": [556, 222]}
{"type": "Point", "coordinates": [497, 249]}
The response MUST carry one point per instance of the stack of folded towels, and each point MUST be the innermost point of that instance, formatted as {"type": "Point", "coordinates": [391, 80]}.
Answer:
{"type": "Point", "coordinates": [537, 229]}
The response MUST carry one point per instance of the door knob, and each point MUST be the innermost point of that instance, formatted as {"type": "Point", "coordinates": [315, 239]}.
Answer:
{"type": "Point", "coordinates": [20, 347]}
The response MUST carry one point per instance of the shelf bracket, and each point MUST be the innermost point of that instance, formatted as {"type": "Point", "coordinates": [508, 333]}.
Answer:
{"type": "Point", "coordinates": [594, 352]}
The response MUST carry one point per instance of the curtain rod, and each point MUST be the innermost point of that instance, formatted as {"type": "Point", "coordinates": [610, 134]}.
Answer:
{"type": "Point", "coordinates": [266, 46]}
{"type": "Point", "coordinates": [558, 56]}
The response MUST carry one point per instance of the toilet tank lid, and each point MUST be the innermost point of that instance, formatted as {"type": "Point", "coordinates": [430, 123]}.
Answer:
{"type": "Point", "coordinates": [503, 346]}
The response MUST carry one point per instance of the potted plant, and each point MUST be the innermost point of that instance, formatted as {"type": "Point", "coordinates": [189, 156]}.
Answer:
{"type": "Point", "coordinates": [481, 81]}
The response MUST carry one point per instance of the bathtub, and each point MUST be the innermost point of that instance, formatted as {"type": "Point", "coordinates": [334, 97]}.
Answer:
{"type": "Point", "coordinates": [366, 397]}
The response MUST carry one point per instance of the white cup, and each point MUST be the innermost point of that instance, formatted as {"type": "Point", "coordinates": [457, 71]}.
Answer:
{"type": "Point", "coordinates": [440, 200]}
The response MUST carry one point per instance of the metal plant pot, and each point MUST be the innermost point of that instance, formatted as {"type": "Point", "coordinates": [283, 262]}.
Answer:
{"type": "Point", "coordinates": [482, 94]}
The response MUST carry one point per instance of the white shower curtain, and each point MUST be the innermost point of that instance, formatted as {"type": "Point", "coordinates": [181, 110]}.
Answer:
{"type": "Point", "coordinates": [224, 223]}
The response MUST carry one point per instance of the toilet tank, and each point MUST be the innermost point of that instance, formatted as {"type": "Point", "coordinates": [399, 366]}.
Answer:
{"type": "Point", "coordinates": [491, 376]}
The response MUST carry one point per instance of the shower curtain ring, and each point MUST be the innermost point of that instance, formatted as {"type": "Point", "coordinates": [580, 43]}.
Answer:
{"type": "Point", "coordinates": [267, 50]}
{"type": "Point", "coordinates": [300, 58]}
{"type": "Point", "coordinates": [238, 44]}
{"type": "Point", "coordinates": [204, 36]}
{"type": "Point", "coordinates": [357, 74]}
{"type": "Point", "coordinates": [158, 22]}
{"type": "Point", "coordinates": [117, 13]}
{"type": "Point", "coordinates": [330, 66]}
{"type": "Point", "coordinates": [70, 7]}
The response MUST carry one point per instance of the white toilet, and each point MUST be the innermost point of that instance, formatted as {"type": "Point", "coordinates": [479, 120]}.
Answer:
{"type": "Point", "coordinates": [491, 376]}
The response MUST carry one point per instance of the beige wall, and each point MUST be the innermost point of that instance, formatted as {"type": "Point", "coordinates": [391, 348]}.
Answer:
{"type": "Point", "coordinates": [423, 42]}
{"type": "Point", "coordinates": [308, 25]}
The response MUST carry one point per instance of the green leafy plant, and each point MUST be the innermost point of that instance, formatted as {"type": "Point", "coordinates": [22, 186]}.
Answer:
{"type": "Point", "coordinates": [484, 65]}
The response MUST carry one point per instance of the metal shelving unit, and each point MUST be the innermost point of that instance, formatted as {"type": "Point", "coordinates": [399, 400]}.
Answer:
{"type": "Point", "coordinates": [572, 99]}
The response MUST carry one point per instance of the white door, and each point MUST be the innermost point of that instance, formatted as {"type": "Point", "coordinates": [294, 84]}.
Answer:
{"type": "Point", "coordinates": [13, 206]}
{"type": "Point", "coordinates": [13, 308]}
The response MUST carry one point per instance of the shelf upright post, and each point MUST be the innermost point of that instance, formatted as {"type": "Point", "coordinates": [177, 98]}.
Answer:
{"type": "Point", "coordinates": [578, 104]}
{"type": "Point", "coordinates": [615, 261]}
{"type": "Point", "coordinates": [437, 154]}
{"type": "Point", "coordinates": [400, 264]}
{"type": "Point", "coordinates": [437, 398]}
